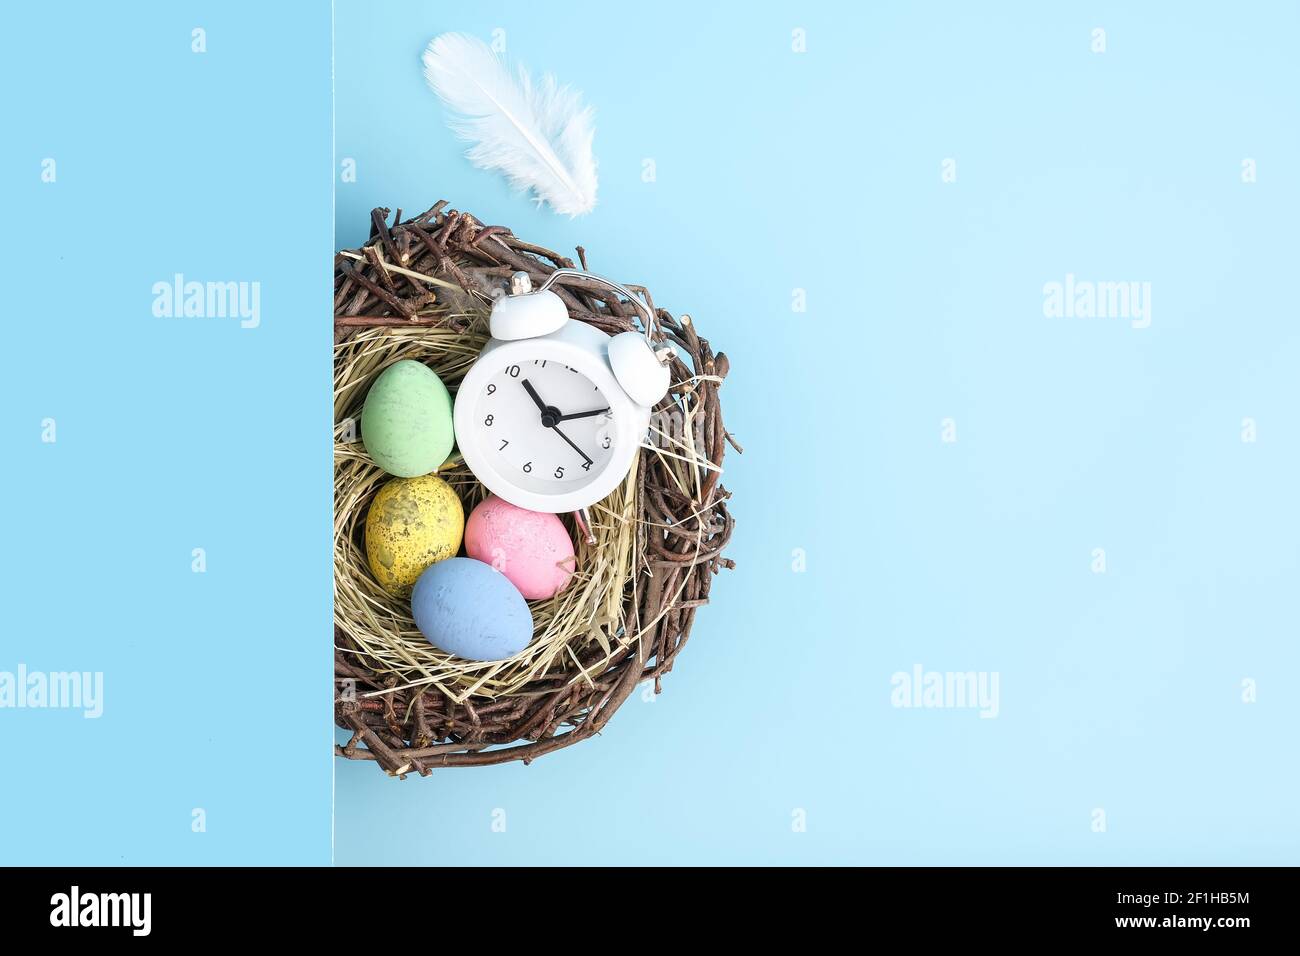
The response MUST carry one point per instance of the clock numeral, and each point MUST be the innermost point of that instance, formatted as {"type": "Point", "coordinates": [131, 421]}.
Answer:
{"type": "Point", "coordinates": [491, 389]}
{"type": "Point", "coordinates": [528, 467]}
{"type": "Point", "coordinates": [559, 471]}
{"type": "Point", "coordinates": [489, 420]}
{"type": "Point", "coordinates": [586, 466]}
{"type": "Point", "coordinates": [605, 443]}
{"type": "Point", "coordinates": [541, 362]}
{"type": "Point", "coordinates": [513, 371]}
{"type": "Point", "coordinates": [504, 442]}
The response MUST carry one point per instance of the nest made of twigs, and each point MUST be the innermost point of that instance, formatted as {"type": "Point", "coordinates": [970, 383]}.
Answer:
{"type": "Point", "coordinates": [421, 289]}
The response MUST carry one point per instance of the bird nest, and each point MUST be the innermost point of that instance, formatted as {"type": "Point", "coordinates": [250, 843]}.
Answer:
{"type": "Point", "coordinates": [422, 289]}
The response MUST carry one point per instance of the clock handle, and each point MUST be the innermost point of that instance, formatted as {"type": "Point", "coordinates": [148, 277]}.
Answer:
{"type": "Point", "coordinates": [582, 518]}
{"type": "Point", "coordinates": [638, 361]}
{"type": "Point", "coordinates": [648, 318]}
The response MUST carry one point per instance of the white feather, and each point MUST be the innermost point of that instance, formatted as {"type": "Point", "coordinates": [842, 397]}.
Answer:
{"type": "Point", "coordinates": [538, 134]}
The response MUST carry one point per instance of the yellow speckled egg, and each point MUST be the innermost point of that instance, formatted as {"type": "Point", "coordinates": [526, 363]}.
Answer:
{"type": "Point", "coordinates": [413, 522]}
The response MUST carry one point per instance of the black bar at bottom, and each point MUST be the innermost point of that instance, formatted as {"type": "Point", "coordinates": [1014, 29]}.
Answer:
{"type": "Point", "coordinates": [1168, 905]}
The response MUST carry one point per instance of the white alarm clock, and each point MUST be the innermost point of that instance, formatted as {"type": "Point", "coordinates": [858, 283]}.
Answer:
{"type": "Point", "coordinates": [553, 413]}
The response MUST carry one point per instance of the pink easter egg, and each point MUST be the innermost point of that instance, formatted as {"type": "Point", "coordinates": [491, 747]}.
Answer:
{"type": "Point", "coordinates": [531, 548]}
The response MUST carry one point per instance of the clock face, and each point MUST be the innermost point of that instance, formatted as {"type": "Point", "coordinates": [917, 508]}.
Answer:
{"type": "Point", "coordinates": [545, 426]}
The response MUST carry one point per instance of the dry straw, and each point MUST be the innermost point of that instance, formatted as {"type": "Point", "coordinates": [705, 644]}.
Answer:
{"type": "Point", "coordinates": [421, 289]}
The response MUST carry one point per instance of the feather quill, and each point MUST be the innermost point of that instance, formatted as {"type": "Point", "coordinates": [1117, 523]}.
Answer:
{"type": "Point", "coordinates": [538, 134]}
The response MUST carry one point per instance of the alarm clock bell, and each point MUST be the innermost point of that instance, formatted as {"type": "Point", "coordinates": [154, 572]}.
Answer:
{"type": "Point", "coordinates": [640, 368]}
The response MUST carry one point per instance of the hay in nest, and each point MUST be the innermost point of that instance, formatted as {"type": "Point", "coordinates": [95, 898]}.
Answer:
{"type": "Point", "coordinates": [421, 289]}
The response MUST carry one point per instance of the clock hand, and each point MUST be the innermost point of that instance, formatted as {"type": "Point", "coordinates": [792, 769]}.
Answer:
{"type": "Point", "coordinates": [593, 412]}
{"type": "Point", "coordinates": [550, 417]}
{"type": "Point", "coordinates": [571, 444]}
{"type": "Point", "coordinates": [537, 399]}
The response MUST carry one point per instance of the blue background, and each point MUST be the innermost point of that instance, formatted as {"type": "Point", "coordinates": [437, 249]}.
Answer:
{"type": "Point", "coordinates": [172, 434]}
{"type": "Point", "coordinates": [821, 171]}
{"type": "Point", "coordinates": [775, 171]}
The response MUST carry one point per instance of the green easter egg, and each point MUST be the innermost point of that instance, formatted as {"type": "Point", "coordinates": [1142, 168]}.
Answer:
{"type": "Point", "coordinates": [406, 422]}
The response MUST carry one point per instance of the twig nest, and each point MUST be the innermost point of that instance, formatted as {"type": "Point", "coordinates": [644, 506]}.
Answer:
{"type": "Point", "coordinates": [531, 548]}
{"type": "Point", "coordinates": [413, 703]}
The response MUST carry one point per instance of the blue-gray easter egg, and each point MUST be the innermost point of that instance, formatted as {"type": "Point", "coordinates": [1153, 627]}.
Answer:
{"type": "Point", "coordinates": [470, 609]}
